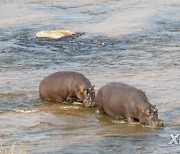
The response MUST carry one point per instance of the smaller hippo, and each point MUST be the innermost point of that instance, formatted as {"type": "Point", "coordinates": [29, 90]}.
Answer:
{"type": "Point", "coordinates": [118, 100]}
{"type": "Point", "coordinates": [67, 87]}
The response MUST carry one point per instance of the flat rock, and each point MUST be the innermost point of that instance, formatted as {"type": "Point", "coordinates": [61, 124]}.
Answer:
{"type": "Point", "coordinates": [55, 34]}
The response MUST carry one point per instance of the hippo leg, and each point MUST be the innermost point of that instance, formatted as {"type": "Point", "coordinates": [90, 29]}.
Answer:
{"type": "Point", "coordinates": [101, 110]}
{"type": "Point", "coordinates": [130, 119]}
{"type": "Point", "coordinates": [57, 99]}
{"type": "Point", "coordinates": [69, 99]}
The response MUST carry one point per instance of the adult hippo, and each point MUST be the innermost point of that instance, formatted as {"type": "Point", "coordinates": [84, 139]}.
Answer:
{"type": "Point", "coordinates": [67, 87]}
{"type": "Point", "coordinates": [117, 100]}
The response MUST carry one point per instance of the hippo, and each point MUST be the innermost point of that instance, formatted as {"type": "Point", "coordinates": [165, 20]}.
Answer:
{"type": "Point", "coordinates": [119, 100]}
{"type": "Point", "coordinates": [67, 86]}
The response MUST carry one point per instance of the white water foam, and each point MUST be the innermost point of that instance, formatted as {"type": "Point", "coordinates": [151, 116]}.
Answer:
{"type": "Point", "coordinates": [26, 111]}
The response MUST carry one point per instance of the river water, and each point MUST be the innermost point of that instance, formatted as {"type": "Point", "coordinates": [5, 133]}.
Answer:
{"type": "Point", "coordinates": [134, 41]}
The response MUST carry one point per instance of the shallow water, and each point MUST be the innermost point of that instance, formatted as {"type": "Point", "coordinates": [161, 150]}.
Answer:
{"type": "Point", "coordinates": [133, 41]}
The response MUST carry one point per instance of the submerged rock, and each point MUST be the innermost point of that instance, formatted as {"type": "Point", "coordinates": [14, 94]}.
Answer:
{"type": "Point", "coordinates": [55, 34]}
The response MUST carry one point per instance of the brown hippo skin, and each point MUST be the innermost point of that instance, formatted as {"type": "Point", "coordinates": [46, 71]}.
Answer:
{"type": "Point", "coordinates": [67, 87]}
{"type": "Point", "coordinates": [117, 100]}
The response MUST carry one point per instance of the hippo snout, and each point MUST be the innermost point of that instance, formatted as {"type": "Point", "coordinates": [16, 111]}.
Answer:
{"type": "Point", "coordinates": [93, 104]}
{"type": "Point", "coordinates": [88, 103]}
{"type": "Point", "coordinates": [156, 124]}
{"type": "Point", "coordinates": [89, 100]}
{"type": "Point", "coordinates": [160, 123]}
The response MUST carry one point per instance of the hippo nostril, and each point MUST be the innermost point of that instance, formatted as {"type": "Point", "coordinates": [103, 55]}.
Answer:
{"type": "Point", "coordinates": [87, 104]}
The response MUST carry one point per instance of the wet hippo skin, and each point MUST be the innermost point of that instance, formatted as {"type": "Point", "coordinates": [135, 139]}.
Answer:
{"type": "Point", "coordinates": [117, 100]}
{"type": "Point", "coordinates": [67, 87]}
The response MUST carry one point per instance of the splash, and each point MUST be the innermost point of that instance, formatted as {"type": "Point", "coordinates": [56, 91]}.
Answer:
{"type": "Point", "coordinates": [26, 111]}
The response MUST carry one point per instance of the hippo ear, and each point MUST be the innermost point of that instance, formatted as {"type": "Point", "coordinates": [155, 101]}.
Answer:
{"type": "Point", "coordinates": [155, 110]}
{"type": "Point", "coordinates": [82, 88]}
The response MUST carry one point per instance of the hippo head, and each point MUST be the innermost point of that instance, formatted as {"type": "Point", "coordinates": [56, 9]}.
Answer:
{"type": "Point", "coordinates": [87, 95]}
{"type": "Point", "coordinates": [149, 116]}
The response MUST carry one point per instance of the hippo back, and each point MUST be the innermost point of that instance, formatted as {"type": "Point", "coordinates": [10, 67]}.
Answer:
{"type": "Point", "coordinates": [59, 85]}
{"type": "Point", "coordinates": [114, 99]}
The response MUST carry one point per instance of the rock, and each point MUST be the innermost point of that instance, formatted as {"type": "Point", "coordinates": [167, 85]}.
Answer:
{"type": "Point", "coordinates": [55, 34]}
